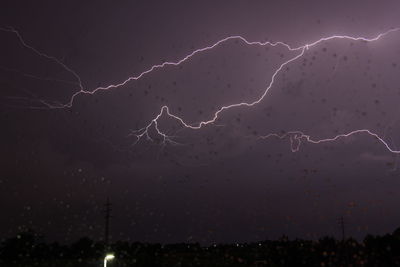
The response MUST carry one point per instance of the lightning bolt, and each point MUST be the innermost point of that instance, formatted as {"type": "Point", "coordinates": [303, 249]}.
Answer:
{"type": "Point", "coordinates": [39, 53]}
{"type": "Point", "coordinates": [296, 137]}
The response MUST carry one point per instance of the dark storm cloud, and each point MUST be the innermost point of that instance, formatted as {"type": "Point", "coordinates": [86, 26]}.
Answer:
{"type": "Point", "coordinates": [221, 184]}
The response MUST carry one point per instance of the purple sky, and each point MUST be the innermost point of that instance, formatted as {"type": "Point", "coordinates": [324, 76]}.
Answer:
{"type": "Point", "coordinates": [221, 184]}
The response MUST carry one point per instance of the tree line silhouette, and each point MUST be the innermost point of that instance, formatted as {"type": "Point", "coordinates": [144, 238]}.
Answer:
{"type": "Point", "coordinates": [29, 249]}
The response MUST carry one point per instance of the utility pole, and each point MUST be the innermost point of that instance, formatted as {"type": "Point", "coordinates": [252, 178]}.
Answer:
{"type": "Point", "coordinates": [341, 223]}
{"type": "Point", "coordinates": [107, 217]}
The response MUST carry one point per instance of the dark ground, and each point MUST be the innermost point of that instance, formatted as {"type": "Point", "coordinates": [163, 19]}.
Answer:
{"type": "Point", "coordinates": [29, 249]}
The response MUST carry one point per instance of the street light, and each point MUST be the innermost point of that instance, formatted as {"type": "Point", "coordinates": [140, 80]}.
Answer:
{"type": "Point", "coordinates": [108, 257]}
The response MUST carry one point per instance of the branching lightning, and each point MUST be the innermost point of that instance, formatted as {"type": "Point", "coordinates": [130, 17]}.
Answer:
{"type": "Point", "coordinates": [296, 137]}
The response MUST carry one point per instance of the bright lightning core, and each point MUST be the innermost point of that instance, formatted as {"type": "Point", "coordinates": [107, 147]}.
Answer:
{"type": "Point", "coordinates": [296, 137]}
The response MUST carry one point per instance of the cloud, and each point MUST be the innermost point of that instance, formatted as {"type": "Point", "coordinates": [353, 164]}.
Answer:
{"type": "Point", "coordinates": [374, 157]}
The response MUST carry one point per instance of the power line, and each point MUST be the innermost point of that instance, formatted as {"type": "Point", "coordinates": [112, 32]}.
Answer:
{"type": "Point", "coordinates": [107, 217]}
{"type": "Point", "coordinates": [341, 223]}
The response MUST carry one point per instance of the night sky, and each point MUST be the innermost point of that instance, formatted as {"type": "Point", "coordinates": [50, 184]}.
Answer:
{"type": "Point", "coordinates": [220, 183]}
